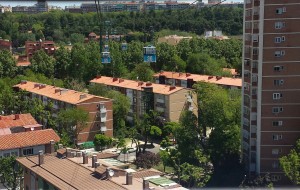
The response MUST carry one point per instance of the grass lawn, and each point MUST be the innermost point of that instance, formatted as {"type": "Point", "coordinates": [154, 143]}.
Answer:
{"type": "Point", "coordinates": [160, 167]}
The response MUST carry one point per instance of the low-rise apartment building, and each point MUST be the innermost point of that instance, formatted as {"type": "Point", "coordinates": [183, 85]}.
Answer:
{"type": "Point", "coordinates": [99, 108]}
{"type": "Point", "coordinates": [187, 80]}
{"type": "Point", "coordinates": [27, 143]}
{"type": "Point", "coordinates": [168, 100]}
{"type": "Point", "coordinates": [78, 171]}
{"type": "Point", "coordinates": [32, 47]}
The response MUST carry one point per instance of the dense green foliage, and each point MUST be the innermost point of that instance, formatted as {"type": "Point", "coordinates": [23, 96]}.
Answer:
{"type": "Point", "coordinates": [10, 172]}
{"type": "Point", "coordinates": [68, 27]}
{"type": "Point", "coordinates": [100, 141]}
{"type": "Point", "coordinates": [291, 164]}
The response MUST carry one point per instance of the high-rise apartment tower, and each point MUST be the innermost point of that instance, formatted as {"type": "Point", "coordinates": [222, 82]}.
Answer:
{"type": "Point", "coordinates": [271, 84]}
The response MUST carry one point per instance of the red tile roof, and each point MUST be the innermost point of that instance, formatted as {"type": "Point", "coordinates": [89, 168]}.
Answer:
{"type": "Point", "coordinates": [206, 78]}
{"type": "Point", "coordinates": [66, 174]}
{"type": "Point", "coordinates": [21, 120]}
{"type": "Point", "coordinates": [135, 85]}
{"type": "Point", "coordinates": [26, 139]}
{"type": "Point", "coordinates": [56, 93]}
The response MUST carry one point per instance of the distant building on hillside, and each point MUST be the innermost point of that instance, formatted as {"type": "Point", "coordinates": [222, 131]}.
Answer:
{"type": "Point", "coordinates": [5, 44]}
{"type": "Point", "coordinates": [32, 47]}
{"type": "Point", "coordinates": [4, 9]}
{"type": "Point", "coordinates": [172, 39]}
{"type": "Point", "coordinates": [187, 80]}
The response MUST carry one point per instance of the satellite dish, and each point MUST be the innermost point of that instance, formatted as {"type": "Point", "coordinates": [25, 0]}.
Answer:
{"type": "Point", "coordinates": [111, 172]}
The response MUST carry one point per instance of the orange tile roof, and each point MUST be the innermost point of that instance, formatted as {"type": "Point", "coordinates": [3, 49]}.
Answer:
{"type": "Point", "coordinates": [26, 139]}
{"type": "Point", "coordinates": [135, 85]}
{"type": "Point", "coordinates": [206, 78]}
{"type": "Point", "coordinates": [56, 93]}
{"type": "Point", "coordinates": [66, 174]}
{"type": "Point", "coordinates": [21, 120]}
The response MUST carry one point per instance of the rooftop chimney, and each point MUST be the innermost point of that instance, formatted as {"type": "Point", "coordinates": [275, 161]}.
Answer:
{"type": "Point", "coordinates": [115, 79]}
{"type": "Point", "coordinates": [36, 85]}
{"type": "Point", "coordinates": [73, 154]}
{"type": "Point", "coordinates": [85, 158]}
{"type": "Point", "coordinates": [42, 86]}
{"type": "Point", "coordinates": [188, 74]}
{"type": "Point", "coordinates": [172, 87]}
{"type": "Point", "coordinates": [219, 77]}
{"type": "Point", "coordinates": [41, 157]}
{"type": "Point", "coordinates": [140, 83]}
{"type": "Point", "coordinates": [17, 116]}
{"type": "Point", "coordinates": [94, 160]}
{"type": "Point", "coordinates": [148, 84]}
{"type": "Point", "coordinates": [78, 154]}
{"type": "Point", "coordinates": [210, 77]}
{"type": "Point", "coordinates": [68, 152]}
{"type": "Point", "coordinates": [128, 178]}
{"type": "Point", "coordinates": [23, 81]}
{"type": "Point", "coordinates": [52, 149]}
{"type": "Point", "coordinates": [97, 164]}
{"type": "Point", "coordinates": [121, 80]}
{"type": "Point", "coordinates": [145, 184]}
{"type": "Point", "coordinates": [107, 173]}
{"type": "Point", "coordinates": [57, 90]}
{"type": "Point", "coordinates": [98, 76]}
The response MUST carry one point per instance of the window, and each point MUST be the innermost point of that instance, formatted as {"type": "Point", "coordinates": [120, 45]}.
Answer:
{"type": "Point", "coordinates": [278, 39]}
{"type": "Point", "coordinates": [275, 177]}
{"type": "Point", "coordinates": [255, 25]}
{"type": "Point", "coordinates": [277, 96]}
{"type": "Point", "coordinates": [279, 25]}
{"type": "Point", "coordinates": [255, 51]}
{"type": "Point", "coordinates": [278, 82]}
{"type": "Point", "coordinates": [254, 64]}
{"type": "Point", "coordinates": [27, 151]}
{"type": "Point", "coordinates": [279, 11]}
{"type": "Point", "coordinates": [6, 154]}
{"type": "Point", "coordinates": [277, 137]}
{"type": "Point", "coordinates": [277, 123]}
{"type": "Point", "coordinates": [277, 109]}
{"type": "Point", "coordinates": [276, 151]}
{"type": "Point", "coordinates": [278, 68]}
{"type": "Point", "coordinates": [279, 53]}
{"type": "Point", "coordinates": [14, 153]}
{"type": "Point", "coordinates": [275, 164]}
{"type": "Point", "coordinates": [283, 38]}
{"type": "Point", "coordinates": [254, 91]}
{"type": "Point", "coordinates": [283, 9]}
{"type": "Point", "coordinates": [254, 78]}
{"type": "Point", "coordinates": [247, 25]}
{"type": "Point", "coordinates": [255, 38]}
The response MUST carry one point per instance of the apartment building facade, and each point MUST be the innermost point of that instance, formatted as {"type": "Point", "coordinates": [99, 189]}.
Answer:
{"type": "Point", "coordinates": [99, 108]}
{"type": "Point", "coordinates": [168, 100]}
{"type": "Point", "coordinates": [271, 96]}
{"type": "Point", "coordinates": [32, 47]}
{"type": "Point", "coordinates": [187, 80]}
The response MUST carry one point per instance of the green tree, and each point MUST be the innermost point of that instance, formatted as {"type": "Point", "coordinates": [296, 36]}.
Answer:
{"type": "Point", "coordinates": [8, 65]}
{"type": "Point", "coordinates": [42, 63]}
{"type": "Point", "coordinates": [155, 133]}
{"type": "Point", "coordinates": [72, 120]}
{"type": "Point", "coordinates": [100, 141]}
{"type": "Point", "coordinates": [62, 62]}
{"type": "Point", "coordinates": [76, 38]}
{"type": "Point", "coordinates": [291, 164]}
{"type": "Point", "coordinates": [147, 160]}
{"type": "Point", "coordinates": [10, 172]}
{"type": "Point", "coordinates": [142, 72]}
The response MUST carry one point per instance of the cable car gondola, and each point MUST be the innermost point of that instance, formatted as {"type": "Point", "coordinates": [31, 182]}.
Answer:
{"type": "Point", "coordinates": [105, 57]}
{"type": "Point", "coordinates": [149, 54]}
{"type": "Point", "coordinates": [124, 46]}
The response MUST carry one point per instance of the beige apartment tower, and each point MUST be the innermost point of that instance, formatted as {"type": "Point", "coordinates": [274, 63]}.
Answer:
{"type": "Point", "coordinates": [271, 84]}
